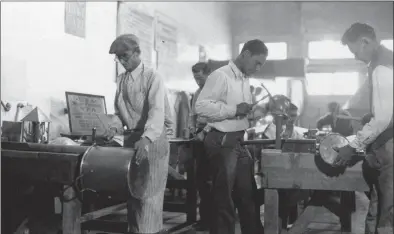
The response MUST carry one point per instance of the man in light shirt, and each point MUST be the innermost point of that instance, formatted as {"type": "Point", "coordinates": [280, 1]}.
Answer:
{"type": "Point", "coordinates": [200, 73]}
{"type": "Point", "coordinates": [225, 101]}
{"type": "Point", "coordinates": [338, 125]}
{"type": "Point", "coordinates": [377, 135]}
{"type": "Point", "coordinates": [140, 104]}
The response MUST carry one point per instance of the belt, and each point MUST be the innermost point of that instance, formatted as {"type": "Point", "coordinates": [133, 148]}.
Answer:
{"type": "Point", "coordinates": [133, 131]}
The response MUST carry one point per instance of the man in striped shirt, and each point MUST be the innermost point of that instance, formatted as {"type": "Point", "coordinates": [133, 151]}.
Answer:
{"type": "Point", "coordinates": [140, 103]}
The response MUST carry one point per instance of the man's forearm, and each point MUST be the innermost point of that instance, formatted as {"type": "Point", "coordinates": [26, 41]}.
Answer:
{"type": "Point", "coordinates": [215, 111]}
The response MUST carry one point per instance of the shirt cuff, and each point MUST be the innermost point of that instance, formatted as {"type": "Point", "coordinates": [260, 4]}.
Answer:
{"type": "Point", "coordinates": [150, 135]}
{"type": "Point", "coordinates": [358, 145]}
{"type": "Point", "coordinates": [231, 111]}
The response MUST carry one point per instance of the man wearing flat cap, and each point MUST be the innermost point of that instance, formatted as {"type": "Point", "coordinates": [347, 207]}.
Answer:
{"type": "Point", "coordinates": [140, 104]}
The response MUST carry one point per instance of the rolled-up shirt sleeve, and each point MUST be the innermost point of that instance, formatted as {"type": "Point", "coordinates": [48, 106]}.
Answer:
{"type": "Point", "coordinates": [382, 81]}
{"type": "Point", "coordinates": [156, 114]}
{"type": "Point", "coordinates": [209, 104]}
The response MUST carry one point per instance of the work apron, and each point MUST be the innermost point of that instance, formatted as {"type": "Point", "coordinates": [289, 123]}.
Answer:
{"type": "Point", "coordinates": [145, 213]}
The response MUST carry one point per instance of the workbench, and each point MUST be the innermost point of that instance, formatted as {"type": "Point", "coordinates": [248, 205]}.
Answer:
{"type": "Point", "coordinates": [296, 167]}
{"type": "Point", "coordinates": [57, 168]}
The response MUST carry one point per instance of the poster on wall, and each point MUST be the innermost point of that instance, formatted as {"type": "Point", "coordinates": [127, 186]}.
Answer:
{"type": "Point", "coordinates": [134, 21]}
{"type": "Point", "coordinates": [166, 45]}
{"type": "Point", "coordinates": [75, 18]}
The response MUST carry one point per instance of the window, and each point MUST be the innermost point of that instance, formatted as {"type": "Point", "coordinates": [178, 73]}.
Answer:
{"type": "Point", "coordinates": [339, 83]}
{"type": "Point", "coordinates": [277, 86]}
{"type": "Point", "coordinates": [218, 52]}
{"type": "Point", "coordinates": [187, 53]}
{"type": "Point", "coordinates": [388, 44]}
{"type": "Point", "coordinates": [327, 49]}
{"type": "Point", "coordinates": [276, 50]}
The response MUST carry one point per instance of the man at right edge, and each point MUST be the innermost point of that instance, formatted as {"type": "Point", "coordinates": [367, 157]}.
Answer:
{"type": "Point", "coordinates": [376, 137]}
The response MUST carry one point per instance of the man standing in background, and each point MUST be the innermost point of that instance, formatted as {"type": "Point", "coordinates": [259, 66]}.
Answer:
{"type": "Point", "coordinates": [200, 73]}
{"type": "Point", "coordinates": [333, 118]}
{"type": "Point", "coordinates": [376, 137]}
{"type": "Point", "coordinates": [225, 101]}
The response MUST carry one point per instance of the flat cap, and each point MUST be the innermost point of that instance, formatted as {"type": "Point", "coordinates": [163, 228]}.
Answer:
{"type": "Point", "coordinates": [124, 43]}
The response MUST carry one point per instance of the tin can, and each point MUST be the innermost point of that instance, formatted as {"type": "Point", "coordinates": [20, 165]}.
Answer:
{"type": "Point", "coordinates": [186, 133]}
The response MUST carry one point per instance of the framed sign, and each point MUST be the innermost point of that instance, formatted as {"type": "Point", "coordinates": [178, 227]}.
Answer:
{"type": "Point", "coordinates": [84, 111]}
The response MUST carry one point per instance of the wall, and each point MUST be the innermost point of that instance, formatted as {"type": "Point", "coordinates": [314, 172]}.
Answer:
{"type": "Point", "coordinates": [39, 62]}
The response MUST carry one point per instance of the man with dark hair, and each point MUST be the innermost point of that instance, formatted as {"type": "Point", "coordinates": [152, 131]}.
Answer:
{"type": "Point", "coordinates": [376, 137]}
{"type": "Point", "coordinates": [225, 101]}
{"type": "Point", "coordinates": [333, 118]}
{"type": "Point", "coordinates": [140, 104]}
{"type": "Point", "coordinates": [200, 73]}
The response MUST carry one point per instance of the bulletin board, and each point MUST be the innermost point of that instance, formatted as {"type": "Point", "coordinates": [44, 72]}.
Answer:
{"type": "Point", "coordinates": [166, 45]}
{"type": "Point", "coordinates": [141, 24]}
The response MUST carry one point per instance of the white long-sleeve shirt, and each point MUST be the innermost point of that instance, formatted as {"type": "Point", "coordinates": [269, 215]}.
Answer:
{"type": "Point", "coordinates": [382, 108]}
{"type": "Point", "coordinates": [224, 89]}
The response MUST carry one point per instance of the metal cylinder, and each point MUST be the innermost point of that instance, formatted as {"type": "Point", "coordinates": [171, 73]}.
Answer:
{"type": "Point", "coordinates": [328, 144]}
{"type": "Point", "coordinates": [111, 170]}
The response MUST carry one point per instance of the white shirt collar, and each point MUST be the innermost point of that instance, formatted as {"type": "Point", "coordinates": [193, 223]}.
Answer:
{"type": "Point", "coordinates": [137, 71]}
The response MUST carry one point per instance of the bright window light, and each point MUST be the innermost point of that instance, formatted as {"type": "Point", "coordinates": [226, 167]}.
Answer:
{"type": "Point", "coordinates": [276, 50]}
{"type": "Point", "coordinates": [339, 83]}
{"type": "Point", "coordinates": [388, 44]}
{"type": "Point", "coordinates": [328, 49]}
{"type": "Point", "coordinates": [277, 86]}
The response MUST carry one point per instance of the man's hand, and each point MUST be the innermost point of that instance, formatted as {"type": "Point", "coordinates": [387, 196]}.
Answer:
{"type": "Point", "coordinates": [142, 149]}
{"type": "Point", "coordinates": [243, 109]}
{"type": "Point", "coordinates": [345, 155]}
{"type": "Point", "coordinates": [110, 133]}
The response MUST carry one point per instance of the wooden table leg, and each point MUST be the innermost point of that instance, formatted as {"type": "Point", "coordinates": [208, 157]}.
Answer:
{"type": "Point", "coordinates": [272, 224]}
{"type": "Point", "coordinates": [191, 194]}
{"type": "Point", "coordinates": [346, 212]}
{"type": "Point", "coordinates": [71, 213]}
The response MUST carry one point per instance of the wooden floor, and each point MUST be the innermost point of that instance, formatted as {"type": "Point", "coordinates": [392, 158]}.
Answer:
{"type": "Point", "coordinates": [322, 224]}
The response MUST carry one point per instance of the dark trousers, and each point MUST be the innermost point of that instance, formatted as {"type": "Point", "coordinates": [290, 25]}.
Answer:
{"type": "Point", "coordinates": [233, 186]}
{"type": "Point", "coordinates": [203, 185]}
{"type": "Point", "coordinates": [378, 171]}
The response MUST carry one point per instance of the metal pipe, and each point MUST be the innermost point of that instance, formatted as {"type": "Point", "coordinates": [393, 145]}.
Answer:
{"type": "Point", "coordinates": [23, 146]}
{"type": "Point", "coordinates": [272, 142]}
{"type": "Point", "coordinates": [278, 133]}
{"type": "Point", "coordinates": [258, 142]}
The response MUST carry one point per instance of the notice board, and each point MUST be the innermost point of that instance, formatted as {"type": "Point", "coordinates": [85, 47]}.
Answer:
{"type": "Point", "coordinates": [75, 18]}
{"type": "Point", "coordinates": [166, 45]}
{"type": "Point", "coordinates": [131, 20]}
{"type": "Point", "coordinates": [84, 111]}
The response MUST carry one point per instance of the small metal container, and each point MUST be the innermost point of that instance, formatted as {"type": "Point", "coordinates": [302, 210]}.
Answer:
{"type": "Point", "coordinates": [186, 133]}
{"type": "Point", "coordinates": [327, 145]}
